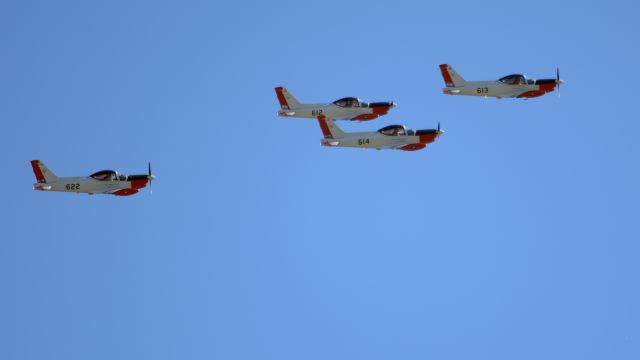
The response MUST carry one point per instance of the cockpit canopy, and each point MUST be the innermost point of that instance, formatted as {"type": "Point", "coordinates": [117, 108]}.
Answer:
{"type": "Point", "coordinates": [350, 102]}
{"type": "Point", "coordinates": [394, 130]}
{"type": "Point", "coordinates": [517, 79]}
{"type": "Point", "coordinates": [108, 175]}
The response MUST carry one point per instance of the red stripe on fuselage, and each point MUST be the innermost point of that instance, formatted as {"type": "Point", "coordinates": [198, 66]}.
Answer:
{"type": "Point", "coordinates": [125, 192]}
{"type": "Point", "coordinates": [413, 147]}
{"type": "Point", "coordinates": [365, 117]}
{"type": "Point", "coordinates": [542, 89]}
{"type": "Point", "coordinates": [381, 110]}
{"type": "Point", "coordinates": [426, 139]}
{"type": "Point", "coordinates": [138, 184]}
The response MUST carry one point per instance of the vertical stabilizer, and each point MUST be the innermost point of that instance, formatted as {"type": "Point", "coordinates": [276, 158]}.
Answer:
{"type": "Point", "coordinates": [286, 100]}
{"type": "Point", "coordinates": [43, 174]}
{"type": "Point", "coordinates": [451, 77]}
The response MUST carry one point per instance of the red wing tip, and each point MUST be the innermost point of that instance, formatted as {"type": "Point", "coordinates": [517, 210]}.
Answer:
{"type": "Point", "coordinates": [443, 66]}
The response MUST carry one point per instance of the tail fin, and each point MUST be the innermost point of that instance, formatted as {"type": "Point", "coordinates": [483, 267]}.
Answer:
{"type": "Point", "coordinates": [329, 128]}
{"type": "Point", "coordinates": [287, 101]}
{"type": "Point", "coordinates": [450, 76]}
{"type": "Point", "coordinates": [43, 174]}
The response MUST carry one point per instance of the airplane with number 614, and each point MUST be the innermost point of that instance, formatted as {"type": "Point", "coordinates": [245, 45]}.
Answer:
{"type": "Point", "coordinates": [348, 108]}
{"type": "Point", "coordinates": [103, 182]}
{"type": "Point", "coordinates": [390, 137]}
{"type": "Point", "coordinates": [510, 86]}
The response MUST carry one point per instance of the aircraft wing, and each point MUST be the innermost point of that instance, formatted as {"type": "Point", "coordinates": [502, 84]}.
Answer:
{"type": "Point", "coordinates": [108, 190]}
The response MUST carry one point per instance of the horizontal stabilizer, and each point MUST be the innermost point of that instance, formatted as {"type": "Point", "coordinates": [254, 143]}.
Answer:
{"type": "Point", "coordinates": [330, 143]}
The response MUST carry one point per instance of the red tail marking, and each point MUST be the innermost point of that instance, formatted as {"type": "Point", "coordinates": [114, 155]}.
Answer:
{"type": "Point", "coordinates": [36, 170]}
{"type": "Point", "coordinates": [322, 120]}
{"type": "Point", "coordinates": [281, 98]}
{"type": "Point", "coordinates": [446, 76]}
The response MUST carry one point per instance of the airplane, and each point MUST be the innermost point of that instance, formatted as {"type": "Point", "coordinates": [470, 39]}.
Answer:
{"type": "Point", "coordinates": [101, 182]}
{"type": "Point", "coordinates": [348, 108]}
{"type": "Point", "coordinates": [389, 137]}
{"type": "Point", "coordinates": [510, 86]}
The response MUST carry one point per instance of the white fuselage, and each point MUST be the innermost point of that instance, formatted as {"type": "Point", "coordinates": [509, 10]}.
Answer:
{"type": "Point", "coordinates": [498, 89]}
{"type": "Point", "coordinates": [88, 185]}
{"type": "Point", "coordinates": [332, 111]}
{"type": "Point", "coordinates": [376, 140]}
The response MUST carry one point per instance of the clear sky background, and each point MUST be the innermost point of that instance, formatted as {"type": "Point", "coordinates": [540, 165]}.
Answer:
{"type": "Point", "coordinates": [514, 236]}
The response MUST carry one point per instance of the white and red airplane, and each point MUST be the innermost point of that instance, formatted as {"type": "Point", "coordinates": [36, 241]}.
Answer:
{"type": "Point", "coordinates": [390, 137]}
{"type": "Point", "coordinates": [510, 86]}
{"type": "Point", "coordinates": [348, 108]}
{"type": "Point", "coordinates": [102, 182]}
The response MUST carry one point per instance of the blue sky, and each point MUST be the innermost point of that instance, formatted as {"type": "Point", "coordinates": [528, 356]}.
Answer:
{"type": "Point", "coordinates": [514, 236]}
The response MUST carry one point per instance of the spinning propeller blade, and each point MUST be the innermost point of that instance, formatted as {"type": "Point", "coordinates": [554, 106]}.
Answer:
{"type": "Point", "coordinates": [150, 177]}
{"type": "Point", "coordinates": [558, 81]}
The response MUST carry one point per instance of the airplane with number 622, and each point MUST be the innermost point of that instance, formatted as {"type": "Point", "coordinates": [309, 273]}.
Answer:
{"type": "Point", "coordinates": [390, 137]}
{"type": "Point", "coordinates": [510, 86]}
{"type": "Point", "coordinates": [348, 108]}
{"type": "Point", "coordinates": [102, 182]}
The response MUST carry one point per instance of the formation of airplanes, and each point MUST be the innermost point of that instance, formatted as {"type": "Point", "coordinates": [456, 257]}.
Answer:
{"type": "Point", "coordinates": [396, 137]}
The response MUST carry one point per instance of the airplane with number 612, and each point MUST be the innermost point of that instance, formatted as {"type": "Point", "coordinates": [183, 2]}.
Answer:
{"type": "Point", "coordinates": [390, 137]}
{"type": "Point", "coordinates": [103, 182]}
{"type": "Point", "coordinates": [510, 86]}
{"type": "Point", "coordinates": [348, 108]}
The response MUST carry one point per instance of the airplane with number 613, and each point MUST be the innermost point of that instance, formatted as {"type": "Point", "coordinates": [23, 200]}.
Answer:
{"type": "Point", "coordinates": [348, 108]}
{"type": "Point", "coordinates": [103, 182]}
{"type": "Point", "coordinates": [390, 137]}
{"type": "Point", "coordinates": [510, 86]}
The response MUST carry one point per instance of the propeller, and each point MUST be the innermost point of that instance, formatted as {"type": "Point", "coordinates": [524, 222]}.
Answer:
{"type": "Point", "coordinates": [150, 177]}
{"type": "Point", "coordinates": [558, 81]}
